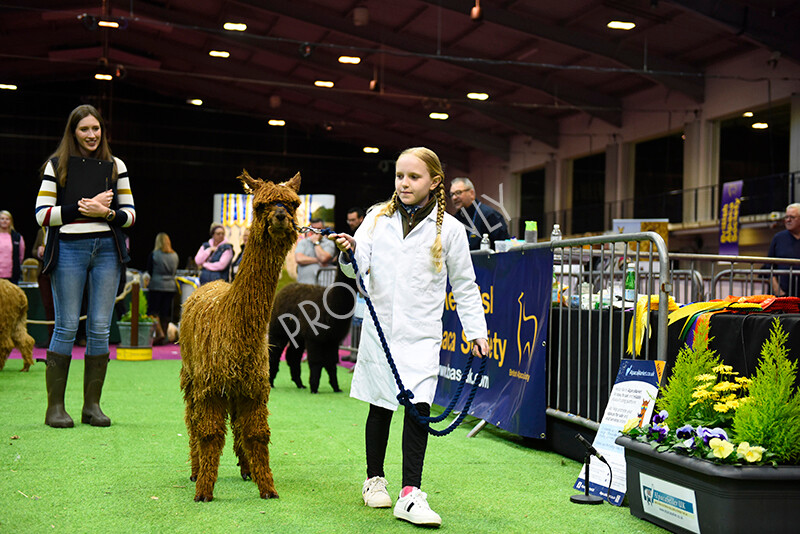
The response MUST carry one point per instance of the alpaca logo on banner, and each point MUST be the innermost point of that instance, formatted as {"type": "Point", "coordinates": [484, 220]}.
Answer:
{"type": "Point", "coordinates": [515, 290]}
{"type": "Point", "coordinates": [729, 218]}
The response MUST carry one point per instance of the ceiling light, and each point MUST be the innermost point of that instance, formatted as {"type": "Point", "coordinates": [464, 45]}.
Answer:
{"type": "Point", "coordinates": [108, 23]}
{"type": "Point", "coordinates": [350, 60]}
{"type": "Point", "coordinates": [323, 83]}
{"type": "Point", "coordinates": [620, 25]}
{"type": "Point", "coordinates": [219, 53]}
{"type": "Point", "coordinates": [276, 122]}
{"type": "Point", "coordinates": [8, 86]}
{"type": "Point", "coordinates": [104, 77]}
{"type": "Point", "coordinates": [747, 114]}
{"type": "Point", "coordinates": [760, 125]}
{"type": "Point", "coordinates": [235, 26]}
{"type": "Point", "coordinates": [195, 102]}
{"type": "Point", "coordinates": [476, 13]}
{"type": "Point", "coordinates": [370, 150]}
{"type": "Point", "coordinates": [439, 116]}
{"type": "Point", "coordinates": [477, 96]}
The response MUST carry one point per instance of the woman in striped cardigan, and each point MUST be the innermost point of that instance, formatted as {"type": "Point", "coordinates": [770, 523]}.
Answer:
{"type": "Point", "coordinates": [85, 245]}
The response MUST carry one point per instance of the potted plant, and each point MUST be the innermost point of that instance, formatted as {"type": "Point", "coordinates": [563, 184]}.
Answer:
{"type": "Point", "coordinates": [146, 325]}
{"type": "Point", "coordinates": [722, 453]}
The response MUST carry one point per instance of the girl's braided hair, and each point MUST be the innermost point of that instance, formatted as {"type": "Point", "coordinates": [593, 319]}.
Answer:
{"type": "Point", "coordinates": [434, 166]}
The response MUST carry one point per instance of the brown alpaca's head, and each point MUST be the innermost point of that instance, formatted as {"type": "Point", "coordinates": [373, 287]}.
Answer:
{"type": "Point", "coordinates": [274, 208]}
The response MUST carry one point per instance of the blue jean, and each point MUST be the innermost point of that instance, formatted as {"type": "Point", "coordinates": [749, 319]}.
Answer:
{"type": "Point", "coordinates": [92, 260]}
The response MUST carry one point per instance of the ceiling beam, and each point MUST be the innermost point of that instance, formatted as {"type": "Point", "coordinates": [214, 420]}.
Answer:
{"type": "Point", "coordinates": [588, 100]}
{"type": "Point", "coordinates": [690, 82]}
{"type": "Point", "coordinates": [775, 33]}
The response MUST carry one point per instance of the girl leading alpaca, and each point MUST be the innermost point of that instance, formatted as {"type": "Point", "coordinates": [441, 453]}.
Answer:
{"type": "Point", "coordinates": [410, 247]}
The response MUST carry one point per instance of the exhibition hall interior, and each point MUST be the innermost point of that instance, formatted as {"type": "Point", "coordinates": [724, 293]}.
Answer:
{"type": "Point", "coordinates": [641, 160]}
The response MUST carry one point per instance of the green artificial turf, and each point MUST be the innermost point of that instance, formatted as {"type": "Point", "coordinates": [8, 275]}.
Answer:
{"type": "Point", "coordinates": [134, 476]}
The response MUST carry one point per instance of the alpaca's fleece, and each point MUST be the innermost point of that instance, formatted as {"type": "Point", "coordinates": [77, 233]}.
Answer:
{"type": "Point", "coordinates": [225, 370]}
{"type": "Point", "coordinates": [14, 324]}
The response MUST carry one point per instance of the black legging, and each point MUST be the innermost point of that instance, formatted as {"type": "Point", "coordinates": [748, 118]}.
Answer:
{"type": "Point", "coordinates": [415, 441]}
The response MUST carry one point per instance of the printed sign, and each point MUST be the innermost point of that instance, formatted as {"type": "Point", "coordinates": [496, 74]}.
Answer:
{"type": "Point", "coordinates": [633, 395]}
{"type": "Point", "coordinates": [670, 502]}
{"type": "Point", "coordinates": [729, 218]}
{"type": "Point", "coordinates": [515, 289]}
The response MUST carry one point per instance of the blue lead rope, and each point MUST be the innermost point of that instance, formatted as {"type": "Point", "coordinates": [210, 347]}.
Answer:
{"type": "Point", "coordinates": [405, 395]}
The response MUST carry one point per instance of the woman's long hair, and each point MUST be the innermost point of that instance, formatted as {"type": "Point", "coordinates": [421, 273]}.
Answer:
{"type": "Point", "coordinates": [434, 166]}
{"type": "Point", "coordinates": [163, 243]}
{"type": "Point", "coordinates": [69, 144]}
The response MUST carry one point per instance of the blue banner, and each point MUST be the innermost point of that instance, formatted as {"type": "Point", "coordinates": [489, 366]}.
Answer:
{"type": "Point", "coordinates": [729, 218]}
{"type": "Point", "coordinates": [516, 289]}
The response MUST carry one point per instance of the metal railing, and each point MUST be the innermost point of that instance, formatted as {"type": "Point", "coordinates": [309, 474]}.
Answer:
{"type": "Point", "coordinates": [589, 324]}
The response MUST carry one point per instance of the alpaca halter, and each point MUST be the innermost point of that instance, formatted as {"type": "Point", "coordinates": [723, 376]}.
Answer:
{"type": "Point", "coordinates": [405, 395]}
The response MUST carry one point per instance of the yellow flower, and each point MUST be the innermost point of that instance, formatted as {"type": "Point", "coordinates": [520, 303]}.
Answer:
{"type": "Point", "coordinates": [724, 369]}
{"type": "Point", "coordinates": [705, 378]}
{"type": "Point", "coordinates": [754, 454]}
{"type": "Point", "coordinates": [631, 424]}
{"type": "Point", "coordinates": [701, 394]}
{"type": "Point", "coordinates": [733, 404]}
{"type": "Point", "coordinates": [721, 407]}
{"type": "Point", "coordinates": [722, 386]}
{"type": "Point", "coordinates": [722, 448]}
{"type": "Point", "coordinates": [751, 454]}
{"type": "Point", "coordinates": [743, 380]}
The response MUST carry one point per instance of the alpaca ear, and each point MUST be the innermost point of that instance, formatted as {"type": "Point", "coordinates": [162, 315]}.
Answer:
{"type": "Point", "coordinates": [249, 183]}
{"type": "Point", "coordinates": [294, 183]}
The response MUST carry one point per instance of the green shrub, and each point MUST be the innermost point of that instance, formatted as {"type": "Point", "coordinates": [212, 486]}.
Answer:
{"type": "Point", "coordinates": [143, 317]}
{"type": "Point", "coordinates": [676, 397]}
{"type": "Point", "coordinates": [771, 417]}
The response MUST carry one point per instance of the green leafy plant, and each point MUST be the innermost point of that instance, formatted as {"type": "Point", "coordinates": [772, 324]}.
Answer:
{"type": "Point", "coordinates": [725, 418]}
{"type": "Point", "coordinates": [143, 317]}
{"type": "Point", "coordinates": [771, 417]}
{"type": "Point", "coordinates": [676, 397]}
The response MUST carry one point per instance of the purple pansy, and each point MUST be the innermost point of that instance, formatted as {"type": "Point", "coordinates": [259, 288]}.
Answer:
{"type": "Point", "coordinates": [658, 432]}
{"type": "Point", "coordinates": [660, 417]}
{"type": "Point", "coordinates": [684, 432]}
{"type": "Point", "coordinates": [708, 433]}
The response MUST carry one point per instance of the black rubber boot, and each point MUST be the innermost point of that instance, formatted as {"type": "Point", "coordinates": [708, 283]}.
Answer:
{"type": "Point", "coordinates": [94, 375]}
{"type": "Point", "coordinates": [56, 379]}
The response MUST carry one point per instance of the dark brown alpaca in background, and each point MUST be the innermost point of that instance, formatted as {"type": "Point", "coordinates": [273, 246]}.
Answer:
{"type": "Point", "coordinates": [225, 367]}
{"type": "Point", "coordinates": [313, 318]}
{"type": "Point", "coordinates": [14, 324]}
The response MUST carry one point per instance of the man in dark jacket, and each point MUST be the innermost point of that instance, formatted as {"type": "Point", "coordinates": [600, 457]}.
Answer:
{"type": "Point", "coordinates": [477, 217]}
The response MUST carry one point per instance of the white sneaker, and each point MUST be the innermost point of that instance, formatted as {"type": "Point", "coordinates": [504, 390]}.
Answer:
{"type": "Point", "coordinates": [414, 509]}
{"type": "Point", "coordinates": [375, 494]}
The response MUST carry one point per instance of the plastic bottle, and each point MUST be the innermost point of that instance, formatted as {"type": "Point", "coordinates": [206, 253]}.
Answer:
{"type": "Point", "coordinates": [556, 235]}
{"type": "Point", "coordinates": [531, 232]}
{"type": "Point", "coordinates": [630, 283]}
{"type": "Point", "coordinates": [485, 243]}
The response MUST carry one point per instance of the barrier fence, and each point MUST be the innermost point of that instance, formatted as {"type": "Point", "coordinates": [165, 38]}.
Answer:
{"type": "Point", "coordinates": [590, 318]}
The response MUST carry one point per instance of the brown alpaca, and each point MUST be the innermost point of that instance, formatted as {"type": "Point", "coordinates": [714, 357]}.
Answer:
{"type": "Point", "coordinates": [225, 367]}
{"type": "Point", "coordinates": [14, 324]}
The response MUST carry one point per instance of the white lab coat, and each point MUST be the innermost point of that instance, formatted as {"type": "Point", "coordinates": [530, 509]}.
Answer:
{"type": "Point", "coordinates": [408, 295]}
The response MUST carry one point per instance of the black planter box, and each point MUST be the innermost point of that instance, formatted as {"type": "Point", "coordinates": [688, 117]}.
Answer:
{"type": "Point", "coordinates": [729, 499]}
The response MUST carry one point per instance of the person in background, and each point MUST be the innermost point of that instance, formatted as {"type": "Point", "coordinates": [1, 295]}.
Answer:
{"type": "Point", "coordinates": [477, 217]}
{"type": "Point", "coordinates": [12, 249]}
{"type": "Point", "coordinates": [313, 252]}
{"type": "Point", "coordinates": [355, 216]}
{"type": "Point", "coordinates": [786, 244]}
{"type": "Point", "coordinates": [411, 247]}
{"type": "Point", "coordinates": [45, 291]}
{"type": "Point", "coordinates": [238, 260]}
{"type": "Point", "coordinates": [162, 266]}
{"type": "Point", "coordinates": [85, 249]}
{"type": "Point", "coordinates": [214, 257]}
